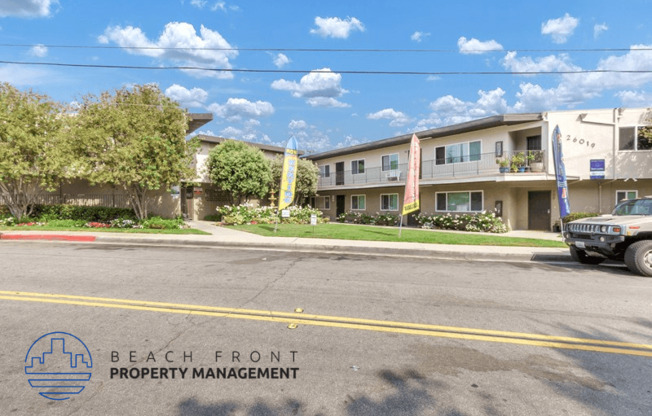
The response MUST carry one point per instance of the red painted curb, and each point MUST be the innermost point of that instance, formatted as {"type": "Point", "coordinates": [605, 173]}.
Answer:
{"type": "Point", "coordinates": [58, 237]}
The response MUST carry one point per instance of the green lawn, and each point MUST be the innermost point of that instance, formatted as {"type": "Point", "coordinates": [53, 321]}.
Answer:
{"type": "Point", "coordinates": [106, 230]}
{"type": "Point", "coordinates": [373, 233]}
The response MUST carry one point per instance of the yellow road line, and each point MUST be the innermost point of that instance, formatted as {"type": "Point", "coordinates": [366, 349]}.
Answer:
{"type": "Point", "coordinates": [584, 344]}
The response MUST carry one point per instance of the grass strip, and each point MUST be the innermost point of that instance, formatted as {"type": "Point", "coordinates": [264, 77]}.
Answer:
{"type": "Point", "coordinates": [373, 233]}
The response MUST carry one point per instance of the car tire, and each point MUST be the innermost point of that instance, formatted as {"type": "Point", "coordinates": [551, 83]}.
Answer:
{"type": "Point", "coordinates": [638, 258]}
{"type": "Point", "coordinates": [580, 256]}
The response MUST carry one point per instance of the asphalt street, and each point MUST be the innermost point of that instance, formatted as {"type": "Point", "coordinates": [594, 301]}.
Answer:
{"type": "Point", "coordinates": [344, 334]}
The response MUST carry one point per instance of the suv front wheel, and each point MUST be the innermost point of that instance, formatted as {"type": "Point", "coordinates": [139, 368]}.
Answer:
{"type": "Point", "coordinates": [580, 256]}
{"type": "Point", "coordinates": [638, 258]}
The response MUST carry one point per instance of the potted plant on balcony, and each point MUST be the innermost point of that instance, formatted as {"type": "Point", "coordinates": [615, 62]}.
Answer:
{"type": "Point", "coordinates": [536, 160]}
{"type": "Point", "coordinates": [503, 165]}
{"type": "Point", "coordinates": [518, 162]}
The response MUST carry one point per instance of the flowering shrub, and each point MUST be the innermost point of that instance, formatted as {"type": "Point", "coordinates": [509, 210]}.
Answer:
{"type": "Point", "coordinates": [94, 224]}
{"type": "Point", "coordinates": [247, 214]}
{"type": "Point", "coordinates": [7, 222]}
{"type": "Point", "coordinates": [158, 223]}
{"type": "Point", "coordinates": [480, 222]}
{"type": "Point", "coordinates": [29, 224]}
{"type": "Point", "coordinates": [126, 223]}
{"type": "Point", "coordinates": [364, 218]}
{"type": "Point", "coordinates": [123, 223]}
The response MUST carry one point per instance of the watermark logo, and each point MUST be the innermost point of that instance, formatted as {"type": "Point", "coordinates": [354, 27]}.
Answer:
{"type": "Point", "coordinates": [58, 365]}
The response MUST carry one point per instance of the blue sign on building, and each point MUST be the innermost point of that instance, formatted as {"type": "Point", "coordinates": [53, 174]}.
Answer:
{"type": "Point", "coordinates": [597, 168]}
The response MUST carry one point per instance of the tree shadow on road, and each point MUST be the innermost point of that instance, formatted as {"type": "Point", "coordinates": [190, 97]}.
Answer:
{"type": "Point", "coordinates": [192, 407]}
{"type": "Point", "coordinates": [620, 381]}
{"type": "Point", "coordinates": [409, 394]}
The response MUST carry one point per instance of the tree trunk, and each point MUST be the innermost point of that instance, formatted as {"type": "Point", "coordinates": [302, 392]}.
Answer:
{"type": "Point", "coordinates": [20, 196]}
{"type": "Point", "coordinates": [139, 201]}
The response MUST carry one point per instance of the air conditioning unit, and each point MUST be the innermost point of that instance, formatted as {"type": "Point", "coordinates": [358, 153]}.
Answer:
{"type": "Point", "coordinates": [393, 175]}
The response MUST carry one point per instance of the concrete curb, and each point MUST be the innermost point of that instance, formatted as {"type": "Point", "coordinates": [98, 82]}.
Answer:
{"type": "Point", "coordinates": [49, 237]}
{"type": "Point", "coordinates": [416, 250]}
{"type": "Point", "coordinates": [431, 251]}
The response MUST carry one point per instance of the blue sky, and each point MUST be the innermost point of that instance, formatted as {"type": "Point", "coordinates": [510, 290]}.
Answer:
{"type": "Point", "coordinates": [331, 108]}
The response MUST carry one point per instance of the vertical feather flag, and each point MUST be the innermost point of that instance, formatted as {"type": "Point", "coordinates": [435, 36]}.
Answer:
{"type": "Point", "coordinates": [560, 171]}
{"type": "Point", "coordinates": [289, 175]}
{"type": "Point", "coordinates": [411, 198]}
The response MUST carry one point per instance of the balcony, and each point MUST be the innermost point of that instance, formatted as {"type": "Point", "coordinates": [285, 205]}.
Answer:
{"type": "Point", "coordinates": [459, 167]}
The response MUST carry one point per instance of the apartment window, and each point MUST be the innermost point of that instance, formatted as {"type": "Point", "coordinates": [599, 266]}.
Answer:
{"type": "Point", "coordinates": [458, 153]}
{"type": "Point", "coordinates": [327, 202]}
{"type": "Point", "coordinates": [357, 166]}
{"type": "Point", "coordinates": [325, 171]}
{"type": "Point", "coordinates": [634, 138]}
{"type": "Point", "coordinates": [389, 202]}
{"type": "Point", "coordinates": [622, 195]}
{"type": "Point", "coordinates": [390, 162]}
{"type": "Point", "coordinates": [459, 201]}
{"type": "Point", "coordinates": [358, 202]}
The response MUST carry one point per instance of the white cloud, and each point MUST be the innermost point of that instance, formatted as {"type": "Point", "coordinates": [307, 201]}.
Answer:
{"type": "Point", "coordinates": [309, 137]}
{"type": "Point", "coordinates": [560, 29]}
{"type": "Point", "coordinates": [320, 88]}
{"type": "Point", "coordinates": [248, 134]}
{"type": "Point", "coordinates": [200, 4]}
{"type": "Point", "coordinates": [25, 76]}
{"type": "Point", "coordinates": [26, 8]}
{"type": "Point", "coordinates": [533, 97]}
{"type": "Point", "coordinates": [419, 36]}
{"type": "Point", "coordinates": [635, 98]}
{"type": "Point", "coordinates": [297, 125]}
{"type": "Point", "coordinates": [208, 48]}
{"type": "Point", "coordinates": [598, 28]}
{"type": "Point", "coordinates": [334, 27]}
{"type": "Point", "coordinates": [574, 89]}
{"type": "Point", "coordinates": [326, 102]}
{"type": "Point", "coordinates": [350, 141]}
{"type": "Point", "coordinates": [238, 108]}
{"type": "Point", "coordinates": [474, 46]}
{"type": "Point", "coordinates": [449, 110]}
{"type": "Point", "coordinates": [397, 118]}
{"type": "Point", "coordinates": [220, 5]}
{"type": "Point", "coordinates": [550, 63]}
{"type": "Point", "coordinates": [281, 60]}
{"type": "Point", "coordinates": [39, 51]}
{"type": "Point", "coordinates": [195, 97]}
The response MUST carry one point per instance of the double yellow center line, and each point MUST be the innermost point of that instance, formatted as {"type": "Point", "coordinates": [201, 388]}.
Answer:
{"type": "Point", "coordinates": [519, 338]}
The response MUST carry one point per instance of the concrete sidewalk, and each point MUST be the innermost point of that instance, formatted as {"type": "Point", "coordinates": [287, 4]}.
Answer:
{"type": "Point", "coordinates": [228, 237]}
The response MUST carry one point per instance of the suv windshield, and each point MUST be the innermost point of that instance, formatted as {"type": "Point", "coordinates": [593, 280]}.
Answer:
{"type": "Point", "coordinates": [634, 207]}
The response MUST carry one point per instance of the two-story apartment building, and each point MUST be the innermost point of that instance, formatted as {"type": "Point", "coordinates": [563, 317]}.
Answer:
{"type": "Point", "coordinates": [199, 201]}
{"type": "Point", "coordinates": [607, 159]}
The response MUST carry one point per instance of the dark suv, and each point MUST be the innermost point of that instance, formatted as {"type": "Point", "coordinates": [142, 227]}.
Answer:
{"type": "Point", "coordinates": [625, 235]}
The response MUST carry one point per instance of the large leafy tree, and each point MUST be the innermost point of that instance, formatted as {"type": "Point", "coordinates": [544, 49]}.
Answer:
{"type": "Point", "coordinates": [134, 138]}
{"type": "Point", "coordinates": [307, 178]}
{"type": "Point", "coordinates": [33, 152]}
{"type": "Point", "coordinates": [240, 169]}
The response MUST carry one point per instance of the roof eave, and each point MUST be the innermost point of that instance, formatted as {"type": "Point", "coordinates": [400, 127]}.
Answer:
{"type": "Point", "coordinates": [473, 125]}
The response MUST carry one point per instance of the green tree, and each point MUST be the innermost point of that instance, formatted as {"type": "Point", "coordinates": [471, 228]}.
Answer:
{"type": "Point", "coordinates": [307, 178]}
{"type": "Point", "coordinates": [240, 169]}
{"type": "Point", "coordinates": [646, 131]}
{"type": "Point", "coordinates": [134, 138]}
{"type": "Point", "coordinates": [33, 155]}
